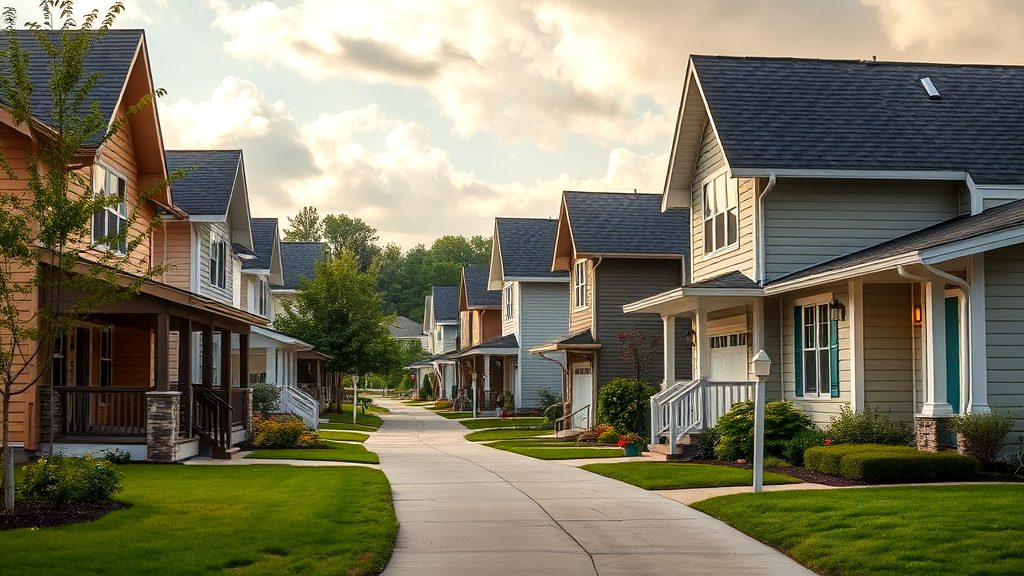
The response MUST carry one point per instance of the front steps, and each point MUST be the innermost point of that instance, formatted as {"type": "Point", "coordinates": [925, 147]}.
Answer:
{"type": "Point", "coordinates": [686, 449]}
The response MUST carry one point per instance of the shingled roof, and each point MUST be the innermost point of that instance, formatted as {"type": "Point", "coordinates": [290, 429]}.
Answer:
{"type": "Point", "coordinates": [446, 303]}
{"type": "Point", "coordinates": [403, 327]}
{"type": "Point", "coordinates": [206, 190]}
{"type": "Point", "coordinates": [477, 294]}
{"type": "Point", "coordinates": [299, 260]}
{"type": "Point", "coordinates": [617, 223]}
{"type": "Point", "coordinates": [264, 232]}
{"type": "Point", "coordinates": [527, 246]}
{"type": "Point", "coordinates": [790, 113]}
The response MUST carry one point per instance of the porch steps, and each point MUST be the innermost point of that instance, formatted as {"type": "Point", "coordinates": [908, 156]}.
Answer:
{"type": "Point", "coordinates": [687, 447]}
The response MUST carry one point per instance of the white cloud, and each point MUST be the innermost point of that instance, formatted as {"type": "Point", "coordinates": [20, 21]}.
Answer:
{"type": "Point", "coordinates": [951, 25]}
{"type": "Point", "coordinates": [135, 12]}
{"type": "Point", "coordinates": [235, 111]}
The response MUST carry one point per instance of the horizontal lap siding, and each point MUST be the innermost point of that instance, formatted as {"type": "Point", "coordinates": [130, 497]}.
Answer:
{"type": "Point", "coordinates": [1004, 313]}
{"type": "Point", "coordinates": [173, 247]}
{"type": "Point", "coordinates": [202, 230]}
{"type": "Point", "coordinates": [544, 317]}
{"type": "Point", "coordinates": [808, 222]}
{"type": "Point", "coordinates": [889, 350]}
{"type": "Point", "coordinates": [580, 319]}
{"type": "Point", "coordinates": [132, 357]}
{"type": "Point", "coordinates": [773, 347]}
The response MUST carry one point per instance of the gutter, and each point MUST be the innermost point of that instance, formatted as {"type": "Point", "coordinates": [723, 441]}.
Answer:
{"type": "Point", "coordinates": [761, 274]}
{"type": "Point", "coordinates": [593, 297]}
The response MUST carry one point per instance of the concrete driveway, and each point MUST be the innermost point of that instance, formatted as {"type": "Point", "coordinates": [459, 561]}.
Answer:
{"type": "Point", "coordinates": [465, 509]}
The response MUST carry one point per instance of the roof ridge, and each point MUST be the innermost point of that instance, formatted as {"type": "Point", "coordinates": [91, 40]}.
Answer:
{"type": "Point", "coordinates": [857, 61]}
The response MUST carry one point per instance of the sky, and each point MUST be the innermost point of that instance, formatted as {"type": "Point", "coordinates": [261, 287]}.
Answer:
{"type": "Point", "coordinates": [427, 118]}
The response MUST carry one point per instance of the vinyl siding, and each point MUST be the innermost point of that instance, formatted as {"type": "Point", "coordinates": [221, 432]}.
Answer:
{"type": "Point", "coordinates": [773, 346]}
{"type": "Point", "coordinates": [889, 350]}
{"type": "Point", "coordinates": [580, 319]}
{"type": "Point", "coordinates": [812, 221]}
{"type": "Point", "coordinates": [619, 282]}
{"type": "Point", "coordinates": [202, 230]}
{"type": "Point", "coordinates": [544, 318]}
{"type": "Point", "coordinates": [173, 247]}
{"type": "Point", "coordinates": [1004, 326]}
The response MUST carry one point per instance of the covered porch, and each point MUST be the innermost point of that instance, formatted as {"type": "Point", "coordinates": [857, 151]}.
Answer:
{"type": "Point", "coordinates": [579, 385]}
{"type": "Point", "coordinates": [274, 359]}
{"type": "Point", "coordinates": [487, 372]}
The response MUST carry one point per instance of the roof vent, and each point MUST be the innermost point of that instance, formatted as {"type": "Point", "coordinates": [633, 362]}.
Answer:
{"type": "Point", "coordinates": [929, 87]}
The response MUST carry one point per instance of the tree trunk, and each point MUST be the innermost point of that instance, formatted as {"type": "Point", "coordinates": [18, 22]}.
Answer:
{"type": "Point", "coordinates": [6, 468]}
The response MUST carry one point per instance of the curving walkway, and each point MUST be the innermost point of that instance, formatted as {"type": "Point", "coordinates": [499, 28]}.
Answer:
{"type": "Point", "coordinates": [465, 509]}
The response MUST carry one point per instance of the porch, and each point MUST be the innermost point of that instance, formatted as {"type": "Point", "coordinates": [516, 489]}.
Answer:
{"type": "Point", "coordinates": [274, 359]}
{"type": "Point", "coordinates": [579, 385]}
{"type": "Point", "coordinates": [486, 372]}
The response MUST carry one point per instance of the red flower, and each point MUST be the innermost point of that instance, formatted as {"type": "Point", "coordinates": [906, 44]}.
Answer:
{"type": "Point", "coordinates": [828, 441]}
{"type": "Point", "coordinates": [622, 443]}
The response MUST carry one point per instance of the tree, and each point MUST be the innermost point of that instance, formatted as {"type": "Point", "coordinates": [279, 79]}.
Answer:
{"type": "Point", "coordinates": [45, 223]}
{"type": "Point", "coordinates": [305, 226]}
{"type": "Point", "coordinates": [637, 350]}
{"type": "Point", "coordinates": [342, 232]}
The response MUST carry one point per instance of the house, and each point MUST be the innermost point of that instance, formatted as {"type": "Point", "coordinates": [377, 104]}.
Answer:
{"type": "Point", "coordinates": [441, 326]}
{"type": "Point", "coordinates": [407, 329]}
{"type": "Point", "coordinates": [860, 222]}
{"type": "Point", "coordinates": [615, 246]}
{"type": "Point", "coordinates": [534, 305]}
{"type": "Point", "coordinates": [485, 354]}
{"type": "Point", "coordinates": [122, 377]}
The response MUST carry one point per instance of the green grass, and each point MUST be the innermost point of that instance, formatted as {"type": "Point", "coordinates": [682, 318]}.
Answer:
{"type": "Point", "coordinates": [455, 415]}
{"type": "Point", "coordinates": [555, 449]}
{"type": "Point", "coordinates": [343, 435]}
{"type": "Point", "coordinates": [933, 530]}
{"type": "Point", "coordinates": [506, 434]}
{"type": "Point", "coordinates": [346, 426]}
{"type": "Point", "coordinates": [669, 475]}
{"type": "Point", "coordinates": [333, 452]}
{"type": "Point", "coordinates": [346, 417]}
{"type": "Point", "coordinates": [525, 422]}
{"type": "Point", "coordinates": [249, 520]}
{"type": "Point", "coordinates": [418, 402]}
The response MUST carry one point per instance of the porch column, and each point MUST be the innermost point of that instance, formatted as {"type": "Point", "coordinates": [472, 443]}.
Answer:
{"type": "Point", "coordinates": [703, 346]}
{"type": "Point", "coordinates": [856, 324]}
{"type": "Point", "coordinates": [162, 362]}
{"type": "Point", "coordinates": [668, 324]}
{"type": "Point", "coordinates": [931, 422]}
{"type": "Point", "coordinates": [208, 355]}
{"type": "Point", "coordinates": [977, 337]}
{"type": "Point", "coordinates": [185, 373]}
{"type": "Point", "coordinates": [225, 364]}
{"type": "Point", "coordinates": [243, 360]}
{"type": "Point", "coordinates": [487, 377]}
{"type": "Point", "coordinates": [163, 419]}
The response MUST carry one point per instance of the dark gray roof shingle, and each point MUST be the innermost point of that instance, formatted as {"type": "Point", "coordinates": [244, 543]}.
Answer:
{"type": "Point", "coordinates": [206, 190]}
{"type": "Point", "coordinates": [789, 113]}
{"type": "Point", "coordinates": [264, 231]}
{"type": "Point", "coordinates": [527, 247]}
{"type": "Point", "coordinates": [403, 327]}
{"type": "Point", "coordinates": [299, 260]}
{"type": "Point", "coordinates": [616, 223]}
{"type": "Point", "coordinates": [505, 342]}
{"type": "Point", "coordinates": [477, 294]}
{"type": "Point", "coordinates": [446, 303]}
{"type": "Point", "coordinates": [729, 280]}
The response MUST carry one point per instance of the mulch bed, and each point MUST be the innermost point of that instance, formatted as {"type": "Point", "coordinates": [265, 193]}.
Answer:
{"type": "Point", "coordinates": [794, 471]}
{"type": "Point", "coordinates": [43, 514]}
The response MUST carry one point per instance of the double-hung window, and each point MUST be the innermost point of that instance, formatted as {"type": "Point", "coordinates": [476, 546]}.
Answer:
{"type": "Point", "coordinates": [106, 358]}
{"type": "Point", "coordinates": [261, 296]}
{"type": "Point", "coordinates": [721, 213]}
{"type": "Point", "coordinates": [579, 288]}
{"type": "Point", "coordinates": [109, 222]}
{"type": "Point", "coordinates": [218, 261]}
{"type": "Point", "coordinates": [509, 305]}
{"type": "Point", "coordinates": [817, 346]}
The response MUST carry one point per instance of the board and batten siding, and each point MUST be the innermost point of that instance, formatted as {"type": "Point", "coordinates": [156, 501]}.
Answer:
{"type": "Point", "coordinates": [1004, 327]}
{"type": "Point", "coordinates": [543, 318]}
{"type": "Point", "coordinates": [808, 222]}
{"type": "Point", "coordinates": [581, 318]}
{"type": "Point", "coordinates": [621, 281]}
{"type": "Point", "coordinates": [741, 258]}
{"type": "Point", "coordinates": [203, 230]}
{"type": "Point", "coordinates": [889, 350]}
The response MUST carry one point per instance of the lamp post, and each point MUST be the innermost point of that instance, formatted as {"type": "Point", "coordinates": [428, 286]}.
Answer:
{"type": "Point", "coordinates": [762, 367]}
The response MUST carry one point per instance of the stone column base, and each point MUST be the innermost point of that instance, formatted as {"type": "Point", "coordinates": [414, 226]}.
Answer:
{"type": "Point", "coordinates": [163, 419]}
{"type": "Point", "coordinates": [932, 433]}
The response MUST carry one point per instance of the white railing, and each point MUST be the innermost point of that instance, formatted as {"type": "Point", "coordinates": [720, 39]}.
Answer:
{"type": "Point", "coordinates": [580, 419]}
{"type": "Point", "coordinates": [300, 403]}
{"type": "Point", "coordinates": [693, 405]}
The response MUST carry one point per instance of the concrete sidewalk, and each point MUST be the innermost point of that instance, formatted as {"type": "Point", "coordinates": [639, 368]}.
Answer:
{"type": "Point", "coordinates": [465, 509]}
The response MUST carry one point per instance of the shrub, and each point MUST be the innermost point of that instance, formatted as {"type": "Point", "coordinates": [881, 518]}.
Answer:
{"type": "Point", "coordinates": [548, 398]}
{"type": "Point", "coordinates": [442, 404]}
{"type": "Point", "coordinates": [793, 450]}
{"type": "Point", "coordinates": [868, 427]}
{"type": "Point", "coordinates": [283, 431]}
{"type": "Point", "coordinates": [782, 422]}
{"type": "Point", "coordinates": [982, 435]}
{"type": "Point", "coordinates": [775, 462]}
{"type": "Point", "coordinates": [625, 404]}
{"type": "Point", "coordinates": [554, 412]}
{"type": "Point", "coordinates": [608, 437]}
{"type": "Point", "coordinates": [827, 459]}
{"type": "Point", "coordinates": [64, 479]}
{"type": "Point", "coordinates": [707, 441]}
{"type": "Point", "coordinates": [425, 392]}
{"type": "Point", "coordinates": [265, 398]}
{"type": "Point", "coordinates": [887, 463]}
{"type": "Point", "coordinates": [116, 456]}
{"type": "Point", "coordinates": [592, 435]}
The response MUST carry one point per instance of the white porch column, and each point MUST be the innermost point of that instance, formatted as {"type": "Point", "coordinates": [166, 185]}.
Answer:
{"type": "Point", "coordinates": [855, 317]}
{"type": "Point", "coordinates": [669, 340]}
{"type": "Point", "coordinates": [703, 345]}
{"type": "Point", "coordinates": [487, 375]}
{"type": "Point", "coordinates": [756, 331]}
{"type": "Point", "coordinates": [936, 403]}
{"type": "Point", "coordinates": [977, 339]}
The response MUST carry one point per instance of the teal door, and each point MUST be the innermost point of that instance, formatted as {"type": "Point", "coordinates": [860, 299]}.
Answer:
{"type": "Point", "coordinates": [953, 353]}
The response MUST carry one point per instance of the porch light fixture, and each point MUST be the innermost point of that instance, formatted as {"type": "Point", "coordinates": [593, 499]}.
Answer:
{"type": "Point", "coordinates": [836, 310]}
{"type": "Point", "coordinates": [918, 314]}
{"type": "Point", "coordinates": [691, 338]}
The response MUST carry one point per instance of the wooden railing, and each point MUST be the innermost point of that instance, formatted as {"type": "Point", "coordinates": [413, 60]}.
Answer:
{"type": "Point", "coordinates": [212, 418]}
{"type": "Point", "coordinates": [107, 411]}
{"type": "Point", "coordinates": [239, 406]}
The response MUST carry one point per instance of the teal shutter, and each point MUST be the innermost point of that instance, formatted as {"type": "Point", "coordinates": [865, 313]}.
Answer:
{"type": "Point", "coordinates": [833, 357]}
{"type": "Point", "coordinates": [798, 349]}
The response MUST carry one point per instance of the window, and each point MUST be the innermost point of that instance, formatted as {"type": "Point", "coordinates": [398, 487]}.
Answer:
{"type": "Point", "coordinates": [111, 220]}
{"type": "Point", "coordinates": [507, 299]}
{"type": "Point", "coordinates": [261, 297]}
{"type": "Point", "coordinates": [721, 213]}
{"type": "Point", "coordinates": [579, 288]}
{"type": "Point", "coordinates": [218, 262]}
{"type": "Point", "coordinates": [59, 362]}
{"type": "Point", "coordinates": [817, 340]}
{"type": "Point", "coordinates": [729, 340]}
{"type": "Point", "coordinates": [107, 358]}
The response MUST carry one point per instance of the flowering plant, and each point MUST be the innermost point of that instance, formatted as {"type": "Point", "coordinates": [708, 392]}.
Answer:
{"type": "Point", "coordinates": [627, 439]}
{"type": "Point", "coordinates": [828, 441]}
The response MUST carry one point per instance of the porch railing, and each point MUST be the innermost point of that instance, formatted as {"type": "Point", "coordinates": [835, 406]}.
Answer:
{"type": "Point", "coordinates": [107, 411]}
{"type": "Point", "coordinates": [692, 405]}
{"type": "Point", "coordinates": [301, 404]}
{"type": "Point", "coordinates": [212, 417]}
{"type": "Point", "coordinates": [239, 406]}
{"type": "Point", "coordinates": [580, 418]}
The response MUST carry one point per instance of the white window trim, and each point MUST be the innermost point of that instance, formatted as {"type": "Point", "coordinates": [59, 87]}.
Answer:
{"type": "Point", "coordinates": [262, 299]}
{"type": "Point", "coordinates": [729, 182]}
{"type": "Point", "coordinates": [508, 302]}
{"type": "Point", "coordinates": [117, 173]}
{"type": "Point", "coordinates": [216, 237]}
{"type": "Point", "coordinates": [821, 395]}
{"type": "Point", "coordinates": [581, 285]}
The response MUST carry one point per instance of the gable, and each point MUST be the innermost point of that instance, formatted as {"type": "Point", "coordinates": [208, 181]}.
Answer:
{"type": "Point", "coordinates": [691, 123]}
{"type": "Point", "coordinates": [564, 249]}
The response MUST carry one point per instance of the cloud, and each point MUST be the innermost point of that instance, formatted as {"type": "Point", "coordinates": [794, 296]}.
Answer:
{"type": "Point", "coordinates": [135, 12]}
{"type": "Point", "coordinates": [978, 27]}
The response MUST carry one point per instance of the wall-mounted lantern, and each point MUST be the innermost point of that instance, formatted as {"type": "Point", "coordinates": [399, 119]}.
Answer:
{"type": "Point", "coordinates": [691, 338]}
{"type": "Point", "coordinates": [918, 314]}
{"type": "Point", "coordinates": [836, 310]}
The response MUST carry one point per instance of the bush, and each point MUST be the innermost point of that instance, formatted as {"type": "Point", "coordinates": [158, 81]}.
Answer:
{"type": "Point", "coordinates": [265, 398]}
{"type": "Point", "coordinates": [707, 441]}
{"type": "Point", "coordinates": [887, 463]}
{"type": "Point", "coordinates": [982, 435]}
{"type": "Point", "coordinates": [442, 404]}
{"type": "Point", "coordinates": [625, 404]}
{"type": "Point", "coordinates": [775, 462]}
{"type": "Point", "coordinates": [868, 427]}
{"type": "Point", "coordinates": [608, 437]}
{"type": "Point", "coordinates": [64, 479]}
{"type": "Point", "coordinates": [782, 422]}
{"type": "Point", "coordinates": [554, 412]}
{"type": "Point", "coordinates": [793, 451]}
{"type": "Point", "coordinates": [116, 456]}
{"type": "Point", "coordinates": [594, 434]}
{"type": "Point", "coordinates": [548, 398]}
{"type": "Point", "coordinates": [426, 392]}
{"type": "Point", "coordinates": [284, 431]}
{"type": "Point", "coordinates": [827, 459]}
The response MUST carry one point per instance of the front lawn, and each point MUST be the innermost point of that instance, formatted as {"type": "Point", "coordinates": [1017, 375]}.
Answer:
{"type": "Point", "coordinates": [556, 449]}
{"type": "Point", "coordinates": [932, 530]}
{"type": "Point", "coordinates": [333, 451]}
{"type": "Point", "coordinates": [455, 415]}
{"type": "Point", "coordinates": [506, 434]}
{"type": "Point", "coordinates": [345, 426]}
{"type": "Point", "coordinates": [345, 416]}
{"type": "Point", "coordinates": [343, 435]}
{"type": "Point", "coordinates": [247, 520]}
{"type": "Point", "coordinates": [524, 422]}
{"type": "Point", "coordinates": [671, 475]}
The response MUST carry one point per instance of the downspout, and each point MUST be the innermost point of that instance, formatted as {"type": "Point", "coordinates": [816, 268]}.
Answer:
{"type": "Point", "coordinates": [593, 298]}
{"type": "Point", "coordinates": [760, 228]}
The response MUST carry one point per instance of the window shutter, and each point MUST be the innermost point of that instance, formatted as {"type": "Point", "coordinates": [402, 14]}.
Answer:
{"type": "Point", "coordinates": [798, 349]}
{"type": "Point", "coordinates": [833, 357]}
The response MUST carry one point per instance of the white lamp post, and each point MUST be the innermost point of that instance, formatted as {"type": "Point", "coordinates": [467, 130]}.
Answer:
{"type": "Point", "coordinates": [762, 367]}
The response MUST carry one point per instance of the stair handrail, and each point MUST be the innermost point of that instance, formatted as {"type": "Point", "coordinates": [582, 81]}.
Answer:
{"type": "Point", "coordinates": [219, 426]}
{"type": "Point", "coordinates": [303, 405]}
{"type": "Point", "coordinates": [572, 417]}
{"type": "Point", "coordinates": [666, 408]}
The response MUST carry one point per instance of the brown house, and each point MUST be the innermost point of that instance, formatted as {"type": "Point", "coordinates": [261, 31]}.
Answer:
{"type": "Point", "coordinates": [484, 355]}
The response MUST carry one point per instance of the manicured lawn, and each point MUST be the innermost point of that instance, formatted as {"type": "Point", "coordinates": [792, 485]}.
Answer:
{"type": "Point", "coordinates": [346, 417]}
{"type": "Point", "coordinates": [334, 452]}
{"type": "Point", "coordinates": [555, 449]}
{"type": "Point", "coordinates": [345, 426]}
{"type": "Point", "coordinates": [932, 530]}
{"type": "Point", "coordinates": [455, 415]}
{"type": "Point", "coordinates": [418, 402]}
{"type": "Point", "coordinates": [669, 475]}
{"type": "Point", "coordinates": [506, 434]}
{"type": "Point", "coordinates": [249, 520]}
{"type": "Point", "coordinates": [343, 435]}
{"type": "Point", "coordinates": [481, 423]}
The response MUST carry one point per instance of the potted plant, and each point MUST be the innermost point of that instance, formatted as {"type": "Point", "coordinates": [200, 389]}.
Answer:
{"type": "Point", "coordinates": [631, 444]}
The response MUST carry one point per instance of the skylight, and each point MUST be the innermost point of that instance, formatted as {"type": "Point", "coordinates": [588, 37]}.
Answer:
{"type": "Point", "coordinates": [929, 87]}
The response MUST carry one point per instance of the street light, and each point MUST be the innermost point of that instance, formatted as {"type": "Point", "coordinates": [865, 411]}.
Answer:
{"type": "Point", "coordinates": [762, 367]}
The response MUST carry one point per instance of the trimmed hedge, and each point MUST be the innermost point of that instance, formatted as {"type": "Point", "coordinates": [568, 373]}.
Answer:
{"type": "Point", "coordinates": [882, 463]}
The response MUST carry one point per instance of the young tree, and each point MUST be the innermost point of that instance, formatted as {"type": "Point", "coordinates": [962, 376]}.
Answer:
{"type": "Point", "coordinates": [342, 232]}
{"type": "Point", "coordinates": [46, 215]}
{"type": "Point", "coordinates": [637, 350]}
{"type": "Point", "coordinates": [305, 226]}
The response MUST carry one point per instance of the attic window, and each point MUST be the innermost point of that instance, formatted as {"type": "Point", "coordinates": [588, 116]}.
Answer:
{"type": "Point", "coordinates": [929, 86]}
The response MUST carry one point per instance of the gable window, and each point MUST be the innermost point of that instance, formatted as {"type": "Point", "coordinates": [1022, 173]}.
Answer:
{"type": "Point", "coordinates": [579, 288]}
{"type": "Point", "coordinates": [261, 297]}
{"type": "Point", "coordinates": [817, 347]}
{"type": "Point", "coordinates": [112, 219]}
{"type": "Point", "coordinates": [218, 261]}
{"type": "Point", "coordinates": [509, 308]}
{"type": "Point", "coordinates": [721, 213]}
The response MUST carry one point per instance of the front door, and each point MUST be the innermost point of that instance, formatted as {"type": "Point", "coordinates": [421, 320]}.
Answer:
{"type": "Point", "coordinates": [728, 358]}
{"type": "Point", "coordinates": [953, 353]}
{"type": "Point", "coordinates": [582, 394]}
